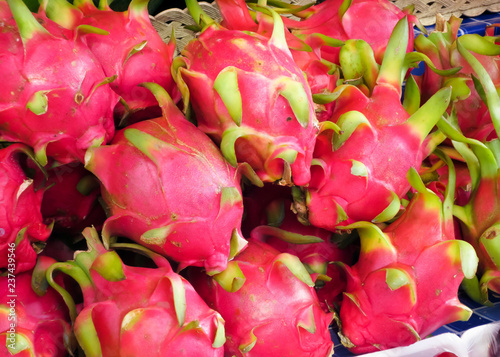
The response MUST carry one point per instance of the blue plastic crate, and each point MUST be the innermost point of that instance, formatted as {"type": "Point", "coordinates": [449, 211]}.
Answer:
{"type": "Point", "coordinates": [469, 25]}
{"type": "Point", "coordinates": [473, 24]}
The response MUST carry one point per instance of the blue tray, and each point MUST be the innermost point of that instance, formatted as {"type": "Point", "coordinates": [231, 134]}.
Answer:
{"type": "Point", "coordinates": [473, 24]}
{"type": "Point", "coordinates": [469, 25]}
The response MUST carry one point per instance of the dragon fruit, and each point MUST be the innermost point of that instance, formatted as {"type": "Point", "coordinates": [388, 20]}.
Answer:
{"type": "Point", "coordinates": [136, 311]}
{"type": "Point", "coordinates": [474, 120]}
{"type": "Point", "coordinates": [138, 52]}
{"type": "Point", "coordinates": [321, 75]}
{"type": "Point", "coordinates": [378, 143]}
{"type": "Point", "coordinates": [255, 103]}
{"type": "Point", "coordinates": [21, 222]}
{"type": "Point", "coordinates": [481, 215]}
{"type": "Point", "coordinates": [436, 46]}
{"type": "Point", "coordinates": [440, 46]}
{"type": "Point", "coordinates": [316, 250]}
{"type": "Point", "coordinates": [34, 322]}
{"type": "Point", "coordinates": [393, 295]}
{"type": "Point", "coordinates": [275, 224]}
{"type": "Point", "coordinates": [168, 187]}
{"type": "Point", "coordinates": [341, 20]}
{"type": "Point", "coordinates": [58, 104]}
{"type": "Point", "coordinates": [269, 305]}
{"type": "Point", "coordinates": [70, 198]}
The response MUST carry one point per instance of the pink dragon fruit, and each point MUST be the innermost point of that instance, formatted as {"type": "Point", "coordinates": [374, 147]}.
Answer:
{"type": "Point", "coordinates": [393, 295]}
{"type": "Point", "coordinates": [473, 118]}
{"type": "Point", "coordinates": [34, 321]}
{"type": "Point", "coordinates": [322, 76]}
{"type": "Point", "coordinates": [255, 102]}
{"type": "Point", "coordinates": [70, 198]}
{"type": "Point", "coordinates": [58, 104]}
{"type": "Point", "coordinates": [316, 250]}
{"type": "Point", "coordinates": [440, 46]}
{"type": "Point", "coordinates": [480, 217]}
{"type": "Point", "coordinates": [169, 188]}
{"type": "Point", "coordinates": [341, 20]}
{"type": "Point", "coordinates": [136, 311]}
{"type": "Point", "coordinates": [379, 141]}
{"type": "Point", "coordinates": [269, 305]}
{"type": "Point", "coordinates": [132, 50]}
{"type": "Point", "coordinates": [275, 224]}
{"type": "Point", "coordinates": [21, 224]}
{"type": "Point", "coordinates": [436, 46]}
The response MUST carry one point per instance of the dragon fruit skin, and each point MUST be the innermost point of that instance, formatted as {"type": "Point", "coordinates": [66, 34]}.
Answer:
{"type": "Point", "coordinates": [21, 221]}
{"type": "Point", "coordinates": [480, 215]}
{"type": "Point", "coordinates": [195, 224]}
{"type": "Point", "coordinates": [318, 255]}
{"type": "Point", "coordinates": [379, 142]}
{"type": "Point", "coordinates": [393, 295]}
{"type": "Point", "coordinates": [274, 223]}
{"type": "Point", "coordinates": [473, 115]}
{"type": "Point", "coordinates": [164, 314]}
{"type": "Point", "coordinates": [274, 128]}
{"type": "Point", "coordinates": [332, 19]}
{"type": "Point", "coordinates": [61, 115]}
{"type": "Point", "coordinates": [139, 53]}
{"type": "Point", "coordinates": [269, 305]}
{"type": "Point", "coordinates": [384, 168]}
{"type": "Point", "coordinates": [321, 75]}
{"type": "Point", "coordinates": [482, 232]}
{"type": "Point", "coordinates": [41, 321]}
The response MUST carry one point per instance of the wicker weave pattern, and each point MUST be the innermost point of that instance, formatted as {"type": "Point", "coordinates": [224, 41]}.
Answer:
{"type": "Point", "coordinates": [175, 19]}
{"type": "Point", "coordinates": [426, 10]}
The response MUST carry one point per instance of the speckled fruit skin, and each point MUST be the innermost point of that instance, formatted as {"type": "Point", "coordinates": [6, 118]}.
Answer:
{"type": "Point", "coordinates": [269, 310]}
{"type": "Point", "coordinates": [55, 97]}
{"type": "Point", "coordinates": [168, 187]}
{"type": "Point", "coordinates": [274, 128]}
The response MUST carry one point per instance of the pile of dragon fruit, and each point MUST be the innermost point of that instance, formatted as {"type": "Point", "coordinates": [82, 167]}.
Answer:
{"type": "Point", "coordinates": [280, 178]}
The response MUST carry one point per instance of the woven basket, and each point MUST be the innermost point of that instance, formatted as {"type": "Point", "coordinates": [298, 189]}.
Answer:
{"type": "Point", "coordinates": [426, 10]}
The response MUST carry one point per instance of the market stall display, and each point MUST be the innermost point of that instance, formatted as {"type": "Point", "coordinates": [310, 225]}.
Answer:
{"type": "Point", "coordinates": [249, 178]}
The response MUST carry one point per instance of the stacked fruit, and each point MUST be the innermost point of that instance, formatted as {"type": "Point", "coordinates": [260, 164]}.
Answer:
{"type": "Point", "coordinates": [239, 199]}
